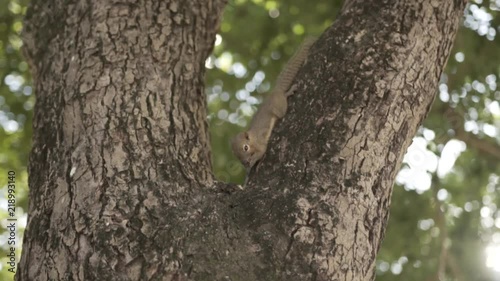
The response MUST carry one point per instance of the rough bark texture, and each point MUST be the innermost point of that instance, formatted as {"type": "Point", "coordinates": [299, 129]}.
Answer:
{"type": "Point", "coordinates": [120, 134]}
{"type": "Point", "coordinates": [120, 180]}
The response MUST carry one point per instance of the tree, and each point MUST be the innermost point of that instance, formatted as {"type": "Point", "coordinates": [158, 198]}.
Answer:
{"type": "Point", "coordinates": [121, 185]}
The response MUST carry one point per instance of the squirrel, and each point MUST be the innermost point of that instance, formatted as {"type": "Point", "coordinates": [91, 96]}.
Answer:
{"type": "Point", "coordinates": [250, 146]}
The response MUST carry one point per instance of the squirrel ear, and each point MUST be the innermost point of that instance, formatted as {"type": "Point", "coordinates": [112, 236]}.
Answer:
{"type": "Point", "coordinates": [245, 134]}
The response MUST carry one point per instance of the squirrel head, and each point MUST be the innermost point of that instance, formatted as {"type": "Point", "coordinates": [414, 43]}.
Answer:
{"type": "Point", "coordinates": [243, 147]}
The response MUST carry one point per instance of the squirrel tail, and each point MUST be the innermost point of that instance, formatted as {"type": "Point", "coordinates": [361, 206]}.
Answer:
{"type": "Point", "coordinates": [288, 74]}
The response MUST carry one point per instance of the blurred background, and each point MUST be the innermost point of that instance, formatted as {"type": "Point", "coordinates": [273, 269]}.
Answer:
{"type": "Point", "coordinates": [445, 212]}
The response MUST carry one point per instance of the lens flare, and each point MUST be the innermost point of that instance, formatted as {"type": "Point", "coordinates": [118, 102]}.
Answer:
{"type": "Point", "coordinates": [493, 257]}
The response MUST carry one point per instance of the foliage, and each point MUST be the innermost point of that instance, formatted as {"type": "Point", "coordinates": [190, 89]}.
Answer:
{"type": "Point", "coordinates": [444, 212]}
{"type": "Point", "coordinates": [16, 111]}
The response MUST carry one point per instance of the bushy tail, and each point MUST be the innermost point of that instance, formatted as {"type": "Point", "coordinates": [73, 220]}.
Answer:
{"type": "Point", "coordinates": [285, 79]}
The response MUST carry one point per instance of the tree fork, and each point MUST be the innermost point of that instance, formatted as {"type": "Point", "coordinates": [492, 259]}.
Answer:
{"type": "Point", "coordinates": [120, 178]}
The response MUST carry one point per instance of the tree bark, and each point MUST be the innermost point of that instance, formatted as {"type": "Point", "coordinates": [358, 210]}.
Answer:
{"type": "Point", "coordinates": [120, 179]}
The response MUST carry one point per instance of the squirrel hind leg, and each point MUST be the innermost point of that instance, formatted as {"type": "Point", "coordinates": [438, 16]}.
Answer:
{"type": "Point", "coordinates": [280, 105]}
{"type": "Point", "coordinates": [291, 91]}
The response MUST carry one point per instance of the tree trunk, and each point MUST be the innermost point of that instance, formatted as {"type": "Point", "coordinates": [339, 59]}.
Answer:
{"type": "Point", "coordinates": [120, 179]}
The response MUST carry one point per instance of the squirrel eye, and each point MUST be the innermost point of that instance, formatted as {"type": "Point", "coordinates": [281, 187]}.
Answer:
{"type": "Point", "coordinates": [245, 147]}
